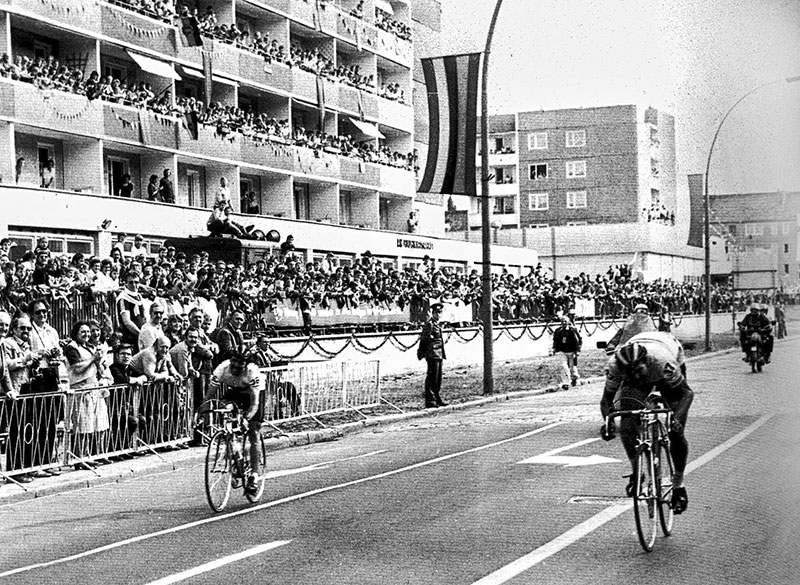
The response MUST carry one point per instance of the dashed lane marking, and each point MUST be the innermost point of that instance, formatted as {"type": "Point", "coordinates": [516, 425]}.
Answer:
{"type": "Point", "coordinates": [205, 568]}
{"type": "Point", "coordinates": [575, 533]}
{"type": "Point", "coordinates": [264, 506]}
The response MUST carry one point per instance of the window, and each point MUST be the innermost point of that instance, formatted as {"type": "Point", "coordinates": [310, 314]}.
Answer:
{"type": "Point", "coordinates": [538, 201]}
{"type": "Point", "coordinates": [576, 199]}
{"type": "Point", "coordinates": [786, 248]}
{"type": "Point", "coordinates": [537, 141]}
{"type": "Point", "coordinates": [654, 167]}
{"type": "Point", "coordinates": [576, 169]}
{"type": "Point", "coordinates": [576, 138]}
{"type": "Point", "coordinates": [193, 188]}
{"type": "Point", "coordinates": [498, 145]}
{"type": "Point", "coordinates": [753, 229]}
{"type": "Point", "coordinates": [786, 227]}
{"type": "Point", "coordinates": [116, 168]}
{"type": "Point", "coordinates": [732, 229]}
{"type": "Point", "coordinates": [576, 223]}
{"type": "Point", "coordinates": [655, 196]}
{"type": "Point", "coordinates": [538, 171]}
{"type": "Point", "coordinates": [773, 228]}
{"type": "Point", "coordinates": [786, 269]}
{"type": "Point", "coordinates": [504, 205]}
{"type": "Point", "coordinates": [538, 226]}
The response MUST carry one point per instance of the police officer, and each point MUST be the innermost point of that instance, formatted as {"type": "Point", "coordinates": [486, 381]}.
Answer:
{"type": "Point", "coordinates": [431, 348]}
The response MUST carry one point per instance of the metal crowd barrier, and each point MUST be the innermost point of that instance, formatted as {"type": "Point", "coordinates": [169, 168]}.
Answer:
{"type": "Point", "coordinates": [49, 430]}
{"type": "Point", "coordinates": [44, 431]}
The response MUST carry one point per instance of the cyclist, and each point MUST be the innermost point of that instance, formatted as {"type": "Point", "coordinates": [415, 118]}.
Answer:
{"type": "Point", "coordinates": [243, 385]}
{"type": "Point", "coordinates": [651, 361]}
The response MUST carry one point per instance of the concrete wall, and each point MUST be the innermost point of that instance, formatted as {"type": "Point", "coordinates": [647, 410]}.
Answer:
{"type": "Point", "coordinates": [468, 349]}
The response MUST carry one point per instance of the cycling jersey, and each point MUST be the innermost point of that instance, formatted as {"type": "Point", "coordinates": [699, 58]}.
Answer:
{"type": "Point", "coordinates": [244, 390]}
{"type": "Point", "coordinates": [664, 360]}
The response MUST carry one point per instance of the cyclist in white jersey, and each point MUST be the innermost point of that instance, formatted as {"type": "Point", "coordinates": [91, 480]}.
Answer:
{"type": "Point", "coordinates": [242, 383]}
{"type": "Point", "coordinates": [647, 362]}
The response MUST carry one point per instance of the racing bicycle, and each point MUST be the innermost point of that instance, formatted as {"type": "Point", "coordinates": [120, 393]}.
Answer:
{"type": "Point", "coordinates": [228, 459]}
{"type": "Point", "coordinates": [652, 470]}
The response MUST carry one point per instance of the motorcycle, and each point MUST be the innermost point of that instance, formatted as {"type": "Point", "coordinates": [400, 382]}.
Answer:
{"type": "Point", "coordinates": [754, 346]}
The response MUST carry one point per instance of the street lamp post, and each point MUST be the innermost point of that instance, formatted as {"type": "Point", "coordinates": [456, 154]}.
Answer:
{"type": "Point", "coordinates": [486, 227]}
{"type": "Point", "coordinates": [707, 202]}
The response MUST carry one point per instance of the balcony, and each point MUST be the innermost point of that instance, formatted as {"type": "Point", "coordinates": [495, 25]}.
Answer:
{"type": "Point", "coordinates": [396, 115]}
{"type": "Point", "coordinates": [500, 159]}
{"type": "Point", "coordinates": [502, 189]}
{"type": "Point", "coordinates": [357, 32]}
{"type": "Point", "coordinates": [125, 123]}
{"type": "Point", "coordinates": [209, 143]}
{"type": "Point", "coordinates": [254, 68]}
{"type": "Point", "coordinates": [322, 19]}
{"type": "Point", "coordinates": [396, 180]}
{"type": "Point", "coordinates": [360, 172]}
{"type": "Point", "coordinates": [355, 101]}
{"type": "Point", "coordinates": [83, 15]}
{"type": "Point", "coordinates": [54, 110]}
{"type": "Point", "coordinates": [394, 48]}
{"type": "Point", "coordinates": [130, 27]}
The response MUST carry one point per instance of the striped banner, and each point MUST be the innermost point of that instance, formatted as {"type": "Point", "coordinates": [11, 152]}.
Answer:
{"type": "Point", "coordinates": [452, 84]}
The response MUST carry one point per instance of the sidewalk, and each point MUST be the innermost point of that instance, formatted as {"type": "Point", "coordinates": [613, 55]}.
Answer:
{"type": "Point", "coordinates": [182, 458]}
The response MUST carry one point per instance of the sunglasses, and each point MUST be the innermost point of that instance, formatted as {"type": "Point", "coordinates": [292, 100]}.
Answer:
{"type": "Point", "coordinates": [40, 312]}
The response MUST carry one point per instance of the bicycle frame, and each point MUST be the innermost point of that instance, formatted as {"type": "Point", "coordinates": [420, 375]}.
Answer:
{"type": "Point", "coordinates": [653, 469]}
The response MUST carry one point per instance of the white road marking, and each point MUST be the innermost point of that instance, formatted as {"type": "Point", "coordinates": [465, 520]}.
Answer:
{"type": "Point", "coordinates": [205, 568]}
{"type": "Point", "coordinates": [316, 466]}
{"type": "Point", "coordinates": [551, 457]}
{"type": "Point", "coordinates": [575, 533]}
{"type": "Point", "coordinates": [264, 506]}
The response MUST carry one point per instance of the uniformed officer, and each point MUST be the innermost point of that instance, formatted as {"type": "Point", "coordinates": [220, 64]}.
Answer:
{"type": "Point", "coordinates": [431, 347]}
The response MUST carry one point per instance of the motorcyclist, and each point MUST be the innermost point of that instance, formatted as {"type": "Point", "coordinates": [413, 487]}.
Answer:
{"type": "Point", "coordinates": [753, 321]}
{"type": "Point", "coordinates": [769, 339]}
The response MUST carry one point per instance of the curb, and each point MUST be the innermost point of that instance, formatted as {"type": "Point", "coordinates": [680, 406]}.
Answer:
{"type": "Point", "coordinates": [185, 458]}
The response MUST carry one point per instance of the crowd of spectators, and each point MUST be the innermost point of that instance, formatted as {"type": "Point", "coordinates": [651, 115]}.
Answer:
{"type": "Point", "coordinates": [384, 21]}
{"type": "Point", "coordinates": [659, 213]}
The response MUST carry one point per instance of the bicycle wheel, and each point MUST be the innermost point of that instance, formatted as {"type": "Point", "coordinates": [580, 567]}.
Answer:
{"type": "Point", "coordinates": [261, 481]}
{"type": "Point", "coordinates": [219, 472]}
{"type": "Point", "coordinates": [664, 471]}
{"type": "Point", "coordinates": [644, 498]}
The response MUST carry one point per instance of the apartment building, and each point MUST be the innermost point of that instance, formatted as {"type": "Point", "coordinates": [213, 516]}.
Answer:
{"type": "Point", "coordinates": [745, 223]}
{"type": "Point", "coordinates": [86, 147]}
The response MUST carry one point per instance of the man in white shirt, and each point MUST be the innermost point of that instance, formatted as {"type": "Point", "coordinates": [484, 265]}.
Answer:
{"type": "Point", "coordinates": [152, 330]}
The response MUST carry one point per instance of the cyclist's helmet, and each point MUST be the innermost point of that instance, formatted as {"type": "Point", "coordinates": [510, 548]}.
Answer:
{"type": "Point", "coordinates": [631, 354]}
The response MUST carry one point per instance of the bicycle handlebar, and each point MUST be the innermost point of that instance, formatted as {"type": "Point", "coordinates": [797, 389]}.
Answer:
{"type": "Point", "coordinates": [640, 411]}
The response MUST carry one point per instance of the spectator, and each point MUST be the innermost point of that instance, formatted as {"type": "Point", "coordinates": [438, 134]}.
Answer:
{"type": "Point", "coordinates": [139, 248]}
{"type": "Point", "coordinates": [121, 368]}
{"type": "Point", "coordinates": [48, 174]}
{"type": "Point", "coordinates": [166, 192]}
{"type": "Point", "coordinates": [413, 222]}
{"type": "Point", "coordinates": [17, 361]}
{"type": "Point", "coordinates": [155, 362]}
{"type": "Point", "coordinates": [287, 246]}
{"type": "Point", "coordinates": [251, 206]}
{"type": "Point", "coordinates": [45, 343]}
{"type": "Point", "coordinates": [567, 341]}
{"type": "Point", "coordinates": [223, 197]}
{"type": "Point", "coordinates": [153, 192]}
{"type": "Point", "coordinates": [89, 413]}
{"type": "Point", "coordinates": [130, 310]}
{"type": "Point", "coordinates": [230, 338]}
{"type": "Point", "coordinates": [126, 189]}
{"type": "Point", "coordinates": [152, 330]}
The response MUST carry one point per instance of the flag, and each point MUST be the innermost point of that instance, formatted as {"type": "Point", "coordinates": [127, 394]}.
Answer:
{"type": "Point", "coordinates": [190, 32]}
{"type": "Point", "coordinates": [191, 124]}
{"type": "Point", "coordinates": [208, 74]}
{"type": "Point", "coordinates": [145, 129]}
{"type": "Point", "coordinates": [321, 102]}
{"type": "Point", "coordinates": [697, 211]}
{"type": "Point", "coordinates": [452, 84]}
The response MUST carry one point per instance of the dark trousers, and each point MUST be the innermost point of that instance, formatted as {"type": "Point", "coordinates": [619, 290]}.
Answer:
{"type": "Point", "coordinates": [433, 383]}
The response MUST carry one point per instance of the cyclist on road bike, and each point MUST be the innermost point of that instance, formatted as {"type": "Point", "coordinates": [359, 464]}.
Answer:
{"type": "Point", "coordinates": [651, 361]}
{"type": "Point", "coordinates": [243, 385]}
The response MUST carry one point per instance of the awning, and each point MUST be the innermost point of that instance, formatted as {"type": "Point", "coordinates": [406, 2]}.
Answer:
{"type": "Point", "coordinates": [367, 128]}
{"type": "Point", "coordinates": [154, 66]}
{"type": "Point", "coordinates": [219, 79]}
{"type": "Point", "coordinates": [191, 72]}
{"type": "Point", "coordinates": [384, 5]}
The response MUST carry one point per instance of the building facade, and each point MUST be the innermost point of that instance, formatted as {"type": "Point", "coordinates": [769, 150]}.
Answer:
{"type": "Point", "coordinates": [586, 166]}
{"type": "Point", "coordinates": [745, 224]}
{"type": "Point", "coordinates": [307, 109]}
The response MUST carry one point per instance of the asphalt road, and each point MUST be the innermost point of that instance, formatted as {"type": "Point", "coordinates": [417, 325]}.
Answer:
{"type": "Point", "coordinates": [514, 492]}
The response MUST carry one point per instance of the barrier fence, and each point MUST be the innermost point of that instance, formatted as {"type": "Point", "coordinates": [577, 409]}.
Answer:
{"type": "Point", "coordinates": [50, 430]}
